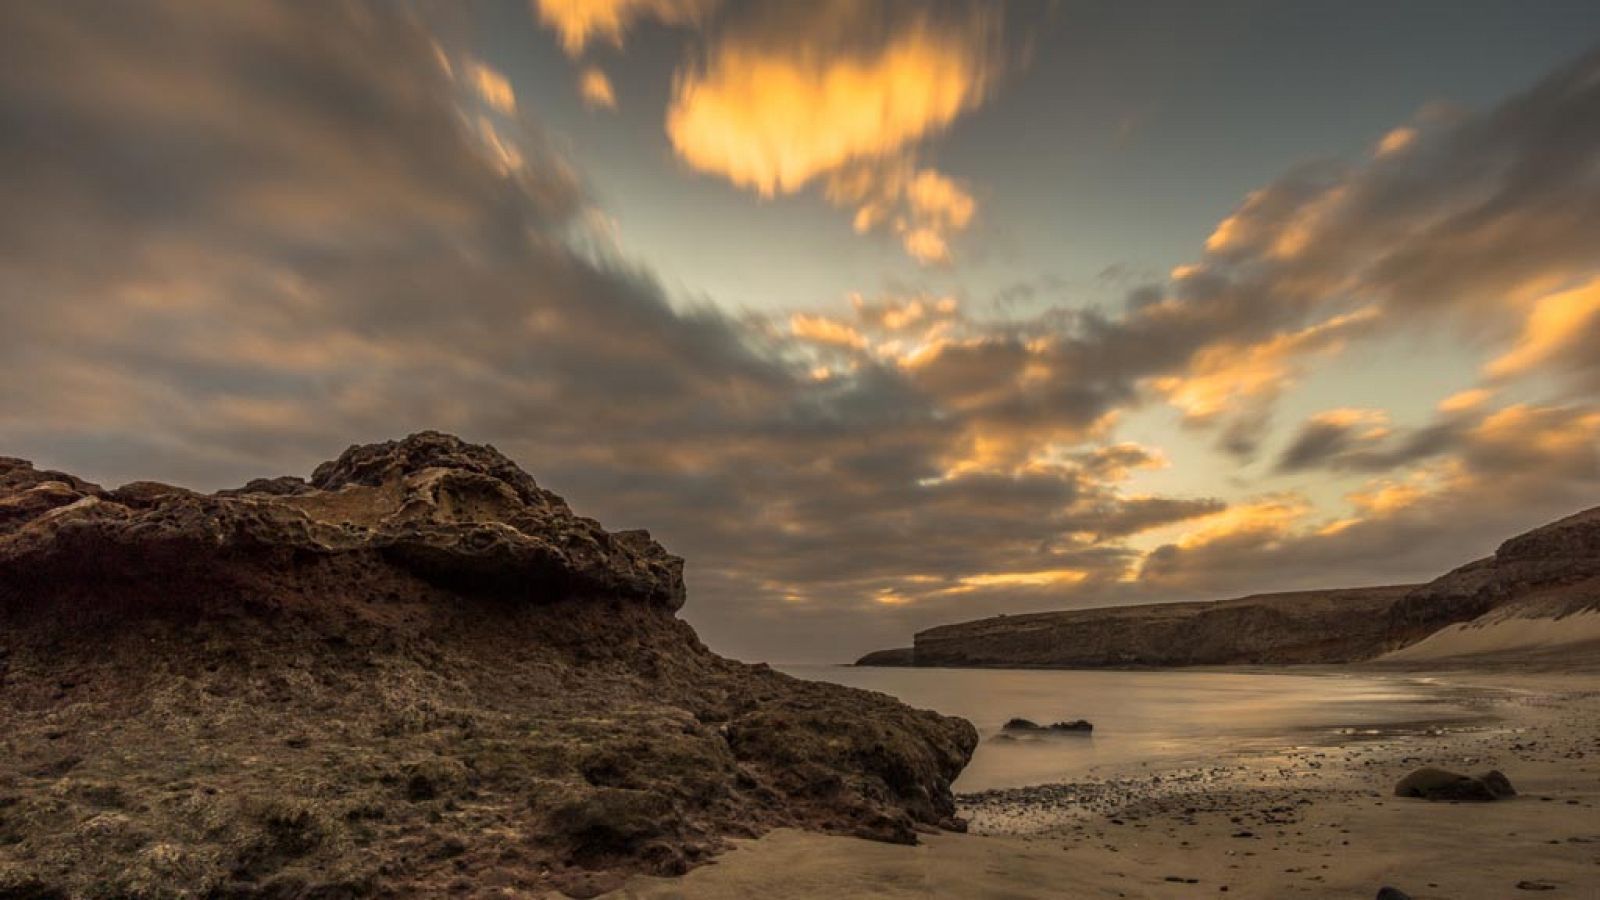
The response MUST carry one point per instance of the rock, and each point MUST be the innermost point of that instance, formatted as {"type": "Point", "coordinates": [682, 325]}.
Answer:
{"type": "Point", "coordinates": [899, 656]}
{"type": "Point", "coordinates": [1303, 627]}
{"type": "Point", "coordinates": [1498, 783]}
{"type": "Point", "coordinates": [1389, 893]}
{"type": "Point", "coordinates": [1438, 784]}
{"type": "Point", "coordinates": [1083, 726]}
{"type": "Point", "coordinates": [419, 647]}
{"type": "Point", "coordinates": [1021, 725]}
{"type": "Point", "coordinates": [1535, 886]}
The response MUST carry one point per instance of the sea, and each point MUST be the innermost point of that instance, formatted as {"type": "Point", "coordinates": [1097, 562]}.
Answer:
{"type": "Point", "coordinates": [1161, 720]}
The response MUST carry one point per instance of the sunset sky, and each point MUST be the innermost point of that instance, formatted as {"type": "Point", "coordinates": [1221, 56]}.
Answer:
{"type": "Point", "coordinates": [882, 314]}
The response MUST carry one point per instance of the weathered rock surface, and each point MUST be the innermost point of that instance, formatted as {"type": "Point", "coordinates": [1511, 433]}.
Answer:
{"type": "Point", "coordinates": [416, 673]}
{"type": "Point", "coordinates": [1438, 784]}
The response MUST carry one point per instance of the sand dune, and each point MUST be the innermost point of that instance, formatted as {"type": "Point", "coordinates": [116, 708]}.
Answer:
{"type": "Point", "coordinates": [1495, 635]}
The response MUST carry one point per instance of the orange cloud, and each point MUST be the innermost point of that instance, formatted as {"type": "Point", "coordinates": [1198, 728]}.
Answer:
{"type": "Point", "coordinates": [492, 87]}
{"type": "Point", "coordinates": [581, 22]}
{"type": "Point", "coordinates": [1557, 322]}
{"type": "Point", "coordinates": [823, 330]}
{"type": "Point", "coordinates": [1461, 401]}
{"type": "Point", "coordinates": [1395, 141]}
{"type": "Point", "coordinates": [923, 206]}
{"type": "Point", "coordinates": [595, 88]}
{"type": "Point", "coordinates": [1266, 519]}
{"type": "Point", "coordinates": [1221, 375]}
{"type": "Point", "coordinates": [774, 117]}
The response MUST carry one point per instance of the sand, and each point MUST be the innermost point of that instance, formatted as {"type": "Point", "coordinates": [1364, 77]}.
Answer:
{"type": "Point", "coordinates": [1312, 822]}
{"type": "Point", "coordinates": [1503, 635]}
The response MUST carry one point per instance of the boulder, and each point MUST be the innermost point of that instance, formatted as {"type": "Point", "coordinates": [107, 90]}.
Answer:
{"type": "Point", "coordinates": [1438, 784]}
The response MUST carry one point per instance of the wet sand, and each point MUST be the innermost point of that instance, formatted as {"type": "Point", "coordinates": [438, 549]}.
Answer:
{"type": "Point", "coordinates": [1315, 821]}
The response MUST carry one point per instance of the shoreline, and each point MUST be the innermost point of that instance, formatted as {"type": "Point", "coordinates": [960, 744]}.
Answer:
{"type": "Point", "coordinates": [1318, 820]}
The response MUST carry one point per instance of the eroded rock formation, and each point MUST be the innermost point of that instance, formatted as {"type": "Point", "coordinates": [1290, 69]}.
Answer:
{"type": "Point", "coordinates": [417, 672]}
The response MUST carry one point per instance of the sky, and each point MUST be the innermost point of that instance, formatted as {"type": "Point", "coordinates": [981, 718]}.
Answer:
{"type": "Point", "coordinates": [882, 314]}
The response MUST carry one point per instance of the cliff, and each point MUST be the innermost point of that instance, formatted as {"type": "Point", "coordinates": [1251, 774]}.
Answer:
{"type": "Point", "coordinates": [1537, 596]}
{"type": "Point", "coordinates": [416, 673]}
{"type": "Point", "coordinates": [1538, 592]}
{"type": "Point", "coordinates": [898, 656]}
{"type": "Point", "coordinates": [1307, 626]}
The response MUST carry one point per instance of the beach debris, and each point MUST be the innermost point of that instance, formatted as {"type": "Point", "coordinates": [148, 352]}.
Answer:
{"type": "Point", "coordinates": [1429, 783]}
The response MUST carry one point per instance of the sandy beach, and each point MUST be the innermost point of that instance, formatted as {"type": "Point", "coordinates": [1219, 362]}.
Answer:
{"type": "Point", "coordinates": [1315, 821]}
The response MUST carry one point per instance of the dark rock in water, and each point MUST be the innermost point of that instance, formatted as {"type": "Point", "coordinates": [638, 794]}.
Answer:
{"type": "Point", "coordinates": [1438, 784]}
{"type": "Point", "coordinates": [898, 657]}
{"type": "Point", "coordinates": [1021, 725]}
{"type": "Point", "coordinates": [1083, 726]}
{"type": "Point", "coordinates": [1389, 893]}
{"type": "Point", "coordinates": [1535, 886]}
{"type": "Point", "coordinates": [415, 669]}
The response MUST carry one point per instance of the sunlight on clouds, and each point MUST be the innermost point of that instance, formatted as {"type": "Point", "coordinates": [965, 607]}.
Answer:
{"type": "Point", "coordinates": [823, 330]}
{"type": "Point", "coordinates": [1375, 420]}
{"type": "Point", "coordinates": [774, 119]}
{"type": "Point", "coordinates": [1395, 141]}
{"type": "Point", "coordinates": [1557, 322]}
{"type": "Point", "coordinates": [581, 22]}
{"type": "Point", "coordinates": [1219, 376]}
{"type": "Point", "coordinates": [503, 154]}
{"type": "Point", "coordinates": [595, 88]}
{"type": "Point", "coordinates": [1263, 520]}
{"type": "Point", "coordinates": [924, 207]}
{"type": "Point", "coordinates": [1461, 401]}
{"type": "Point", "coordinates": [492, 87]}
{"type": "Point", "coordinates": [1045, 578]}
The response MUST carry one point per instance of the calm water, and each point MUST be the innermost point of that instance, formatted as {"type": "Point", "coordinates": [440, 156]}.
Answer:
{"type": "Point", "coordinates": [1168, 719]}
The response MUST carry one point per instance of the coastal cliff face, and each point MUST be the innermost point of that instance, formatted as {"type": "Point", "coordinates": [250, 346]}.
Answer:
{"type": "Point", "coordinates": [1304, 627]}
{"type": "Point", "coordinates": [1548, 575]}
{"type": "Point", "coordinates": [416, 673]}
{"type": "Point", "coordinates": [1537, 596]}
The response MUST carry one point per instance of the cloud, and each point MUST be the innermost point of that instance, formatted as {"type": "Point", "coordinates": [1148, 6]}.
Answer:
{"type": "Point", "coordinates": [771, 110]}
{"type": "Point", "coordinates": [841, 94]}
{"type": "Point", "coordinates": [924, 207]}
{"type": "Point", "coordinates": [356, 247]}
{"type": "Point", "coordinates": [1563, 327]}
{"type": "Point", "coordinates": [579, 23]}
{"type": "Point", "coordinates": [492, 87]}
{"type": "Point", "coordinates": [595, 88]}
{"type": "Point", "coordinates": [1334, 433]}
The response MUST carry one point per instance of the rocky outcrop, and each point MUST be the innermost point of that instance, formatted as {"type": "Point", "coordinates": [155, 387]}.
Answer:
{"type": "Point", "coordinates": [415, 673]}
{"type": "Point", "coordinates": [897, 656]}
{"type": "Point", "coordinates": [1303, 627]}
{"type": "Point", "coordinates": [1549, 572]}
